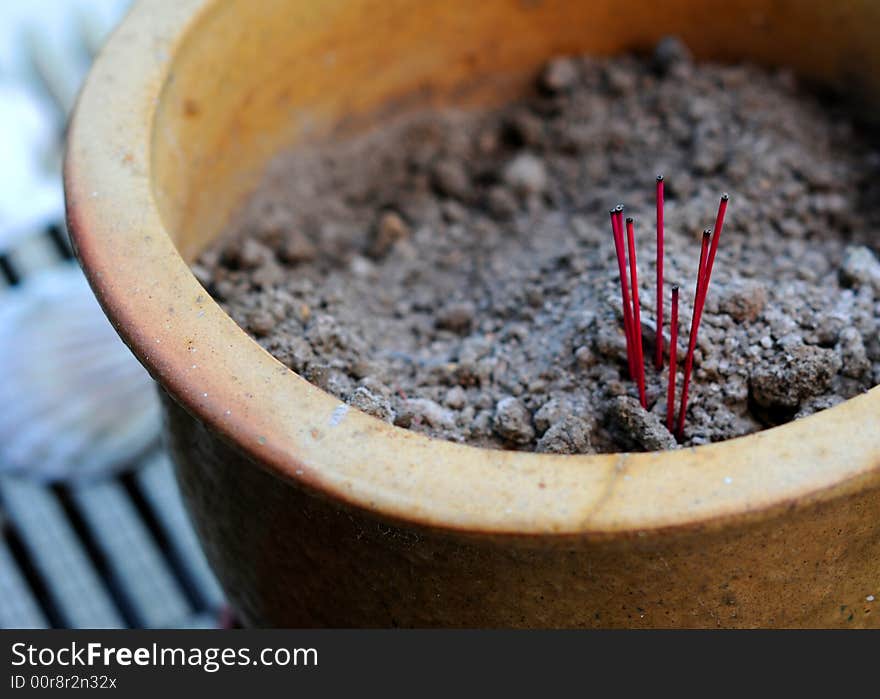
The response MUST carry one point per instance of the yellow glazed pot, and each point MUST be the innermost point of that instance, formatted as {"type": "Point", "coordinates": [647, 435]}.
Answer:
{"type": "Point", "coordinates": [314, 514]}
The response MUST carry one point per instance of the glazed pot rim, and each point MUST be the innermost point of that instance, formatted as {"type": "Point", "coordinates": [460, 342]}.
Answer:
{"type": "Point", "coordinates": [310, 438]}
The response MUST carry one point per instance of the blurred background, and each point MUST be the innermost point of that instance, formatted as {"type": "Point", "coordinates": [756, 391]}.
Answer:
{"type": "Point", "coordinates": [94, 534]}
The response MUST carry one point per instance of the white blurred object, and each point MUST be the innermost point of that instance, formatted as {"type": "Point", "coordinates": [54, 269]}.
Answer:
{"type": "Point", "coordinates": [30, 192]}
{"type": "Point", "coordinates": [76, 404]}
{"type": "Point", "coordinates": [46, 47]}
{"type": "Point", "coordinates": [81, 24]}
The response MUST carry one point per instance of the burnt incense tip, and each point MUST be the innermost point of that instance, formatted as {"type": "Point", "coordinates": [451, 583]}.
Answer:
{"type": "Point", "coordinates": [659, 178]}
{"type": "Point", "coordinates": [630, 219]}
{"type": "Point", "coordinates": [725, 196]}
{"type": "Point", "coordinates": [618, 209]}
{"type": "Point", "coordinates": [707, 232]}
{"type": "Point", "coordinates": [675, 288]}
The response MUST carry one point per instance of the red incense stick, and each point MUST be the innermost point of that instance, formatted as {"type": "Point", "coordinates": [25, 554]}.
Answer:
{"type": "Point", "coordinates": [673, 360]}
{"type": "Point", "coordinates": [692, 340]}
{"type": "Point", "coordinates": [637, 314]}
{"type": "Point", "coordinates": [710, 260]}
{"type": "Point", "coordinates": [716, 236]}
{"type": "Point", "coordinates": [658, 353]}
{"type": "Point", "coordinates": [700, 303]}
{"type": "Point", "coordinates": [617, 231]}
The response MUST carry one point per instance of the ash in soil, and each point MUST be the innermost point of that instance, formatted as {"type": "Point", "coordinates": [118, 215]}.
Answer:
{"type": "Point", "coordinates": [454, 273]}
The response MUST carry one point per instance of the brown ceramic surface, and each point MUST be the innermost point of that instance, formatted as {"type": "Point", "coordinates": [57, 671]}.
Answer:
{"type": "Point", "coordinates": [314, 514]}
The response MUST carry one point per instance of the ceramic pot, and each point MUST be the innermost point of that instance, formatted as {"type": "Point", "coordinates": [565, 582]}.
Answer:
{"type": "Point", "coordinates": [314, 514]}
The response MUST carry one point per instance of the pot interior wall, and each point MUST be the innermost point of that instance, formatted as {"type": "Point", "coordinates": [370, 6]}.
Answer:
{"type": "Point", "coordinates": [264, 75]}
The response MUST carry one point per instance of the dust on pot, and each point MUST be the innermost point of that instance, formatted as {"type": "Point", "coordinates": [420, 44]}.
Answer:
{"type": "Point", "coordinates": [292, 484]}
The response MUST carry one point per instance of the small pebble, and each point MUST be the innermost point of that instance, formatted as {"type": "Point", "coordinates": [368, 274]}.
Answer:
{"type": "Point", "coordinates": [261, 323]}
{"type": "Point", "coordinates": [526, 174]}
{"type": "Point", "coordinates": [669, 52]}
{"type": "Point", "coordinates": [552, 411]}
{"type": "Point", "coordinates": [295, 248]}
{"type": "Point", "coordinates": [814, 405]}
{"type": "Point", "coordinates": [456, 317]}
{"type": "Point", "coordinates": [246, 254]}
{"type": "Point", "coordinates": [456, 398]}
{"type": "Point", "coordinates": [525, 129]}
{"type": "Point", "coordinates": [584, 357]}
{"type": "Point", "coordinates": [426, 411]}
{"type": "Point", "coordinates": [377, 406]}
{"type": "Point", "coordinates": [571, 435]}
{"type": "Point", "coordinates": [620, 79]}
{"type": "Point", "coordinates": [792, 376]}
{"type": "Point", "coordinates": [860, 268]}
{"type": "Point", "coordinates": [512, 421]}
{"type": "Point", "coordinates": [743, 301]}
{"type": "Point", "coordinates": [852, 353]}
{"type": "Point", "coordinates": [451, 179]}
{"type": "Point", "coordinates": [360, 267]}
{"type": "Point", "coordinates": [502, 204]}
{"type": "Point", "coordinates": [390, 229]}
{"type": "Point", "coordinates": [637, 427]}
{"type": "Point", "coordinates": [559, 75]}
